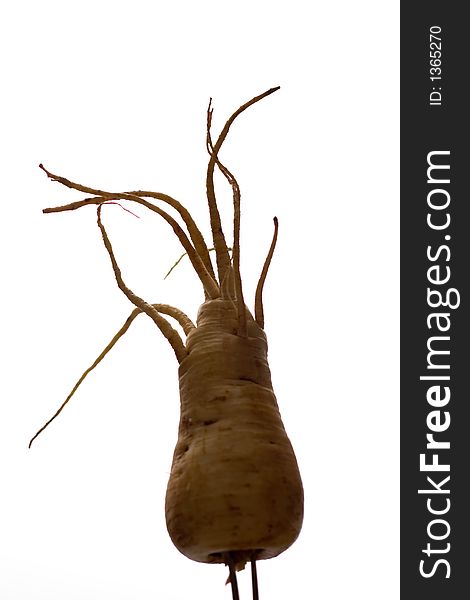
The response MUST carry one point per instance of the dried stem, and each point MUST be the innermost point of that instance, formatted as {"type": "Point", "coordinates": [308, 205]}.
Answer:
{"type": "Point", "coordinates": [259, 313]}
{"type": "Point", "coordinates": [220, 245]}
{"type": "Point", "coordinates": [210, 285]}
{"type": "Point", "coordinates": [177, 314]}
{"type": "Point", "coordinates": [194, 232]}
{"type": "Point", "coordinates": [222, 256]}
{"type": "Point", "coordinates": [180, 259]}
{"type": "Point", "coordinates": [240, 302]}
{"type": "Point", "coordinates": [171, 334]}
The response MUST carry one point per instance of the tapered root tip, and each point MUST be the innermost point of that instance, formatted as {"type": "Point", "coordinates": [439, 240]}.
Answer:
{"type": "Point", "coordinates": [33, 438]}
{"type": "Point", "coordinates": [41, 166]}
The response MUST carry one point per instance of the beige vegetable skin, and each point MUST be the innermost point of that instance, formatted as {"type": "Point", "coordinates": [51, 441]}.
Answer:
{"type": "Point", "coordinates": [234, 494]}
{"type": "Point", "coordinates": [234, 483]}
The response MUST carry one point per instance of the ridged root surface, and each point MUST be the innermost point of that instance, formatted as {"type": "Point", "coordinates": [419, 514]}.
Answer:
{"type": "Point", "coordinates": [234, 484]}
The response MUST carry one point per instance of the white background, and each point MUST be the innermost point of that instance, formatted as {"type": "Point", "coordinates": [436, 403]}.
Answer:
{"type": "Point", "coordinates": [114, 95]}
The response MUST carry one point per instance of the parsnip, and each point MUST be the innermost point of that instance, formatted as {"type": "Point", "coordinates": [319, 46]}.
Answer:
{"type": "Point", "coordinates": [234, 493]}
{"type": "Point", "coordinates": [234, 483]}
